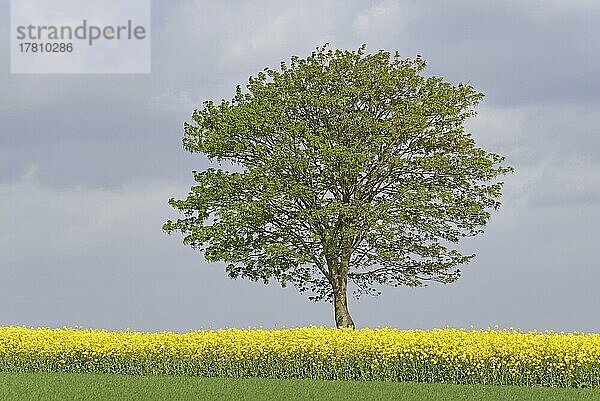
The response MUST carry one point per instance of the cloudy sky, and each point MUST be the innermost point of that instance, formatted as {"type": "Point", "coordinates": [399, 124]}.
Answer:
{"type": "Point", "coordinates": [88, 162]}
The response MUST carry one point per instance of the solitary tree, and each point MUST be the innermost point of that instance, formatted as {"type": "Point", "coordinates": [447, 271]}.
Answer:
{"type": "Point", "coordinates": [341, 167]}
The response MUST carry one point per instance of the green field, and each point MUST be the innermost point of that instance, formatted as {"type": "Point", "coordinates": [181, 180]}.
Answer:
{"type": "Point", "coordinates": [71, 386]}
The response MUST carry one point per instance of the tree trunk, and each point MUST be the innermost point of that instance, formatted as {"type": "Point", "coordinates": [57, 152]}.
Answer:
{"type": "Point", "coordinates": [340, 304]}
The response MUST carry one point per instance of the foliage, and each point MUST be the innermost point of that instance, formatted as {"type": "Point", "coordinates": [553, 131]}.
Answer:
{"type": "Point", "coordinates": [341, 166]}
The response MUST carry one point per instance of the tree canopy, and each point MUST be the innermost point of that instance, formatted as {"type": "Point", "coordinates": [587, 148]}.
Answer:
{"type": "Point", "coordinates": [341, 167]}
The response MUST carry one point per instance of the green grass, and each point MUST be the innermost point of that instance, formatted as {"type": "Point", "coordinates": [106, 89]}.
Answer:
{"type": "Point", "coordinates": [87, 386]}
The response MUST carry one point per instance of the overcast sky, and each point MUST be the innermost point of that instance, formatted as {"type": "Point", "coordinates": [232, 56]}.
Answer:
{"type": "Point", "coordinates": [88, 162]}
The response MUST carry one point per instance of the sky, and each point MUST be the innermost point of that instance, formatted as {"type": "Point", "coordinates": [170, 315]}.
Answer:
{"type": "Point", "coordinates": [88, 163]}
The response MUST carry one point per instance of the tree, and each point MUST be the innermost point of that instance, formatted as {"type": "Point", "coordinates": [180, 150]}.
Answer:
{"type": "Point", "coordinates": [341, 167]}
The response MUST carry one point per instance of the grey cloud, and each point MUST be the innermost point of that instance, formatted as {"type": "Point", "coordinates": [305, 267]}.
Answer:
{"type": "Point", "coordinates": [516, 52]}
{"type": "Point", "coordinates": [554, 148]}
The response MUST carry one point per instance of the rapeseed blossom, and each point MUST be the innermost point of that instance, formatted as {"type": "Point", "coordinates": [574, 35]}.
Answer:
{"type": "Point", "coordinates": [439, 355]}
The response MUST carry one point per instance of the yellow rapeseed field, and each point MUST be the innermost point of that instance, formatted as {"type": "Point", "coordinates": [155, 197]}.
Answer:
{"type": "Point", "coordinates": [440, 355]}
